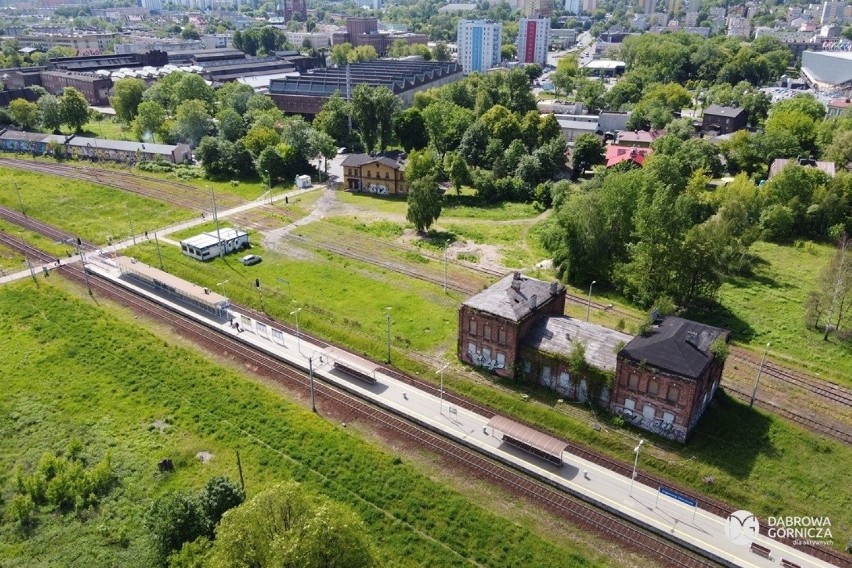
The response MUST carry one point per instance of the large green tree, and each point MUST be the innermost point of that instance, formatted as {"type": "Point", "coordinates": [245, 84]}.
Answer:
{"type": "Point", "coordinates": [424, 203]}
{"type": "Point", "coordinates": [126, 98]}
{"type": "Point", "coordinates": [284, 526]}
{"type": "Point", "coordinates": [333, 119]}
{"type": "Point", "coordinates": [191, 121]}
{"type": "Point", "coordinates": [24, 113]}
{"type": "Point", "coordinates": [374, 109]}
{"type": "Point", "coordinates": [149, 121]}
{"type": "Point", "coordinates": [446, 123]}
{"type": "Point", "coordinates": [588, 152]}
{"type": "Point", "coordinates": [49, 112]}
{"type": "Point", "coordinates": [74, 108]}
{"type": "Point", "coordinates": [410, 130]}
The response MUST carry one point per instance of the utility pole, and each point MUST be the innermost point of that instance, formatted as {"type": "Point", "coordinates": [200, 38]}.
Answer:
{"type": "Point", "coordinates": [759, 372]}
{"type": "Point", "coordinates": [85, 272]}
{"type": "Point", "coordinates": [20, 201]}
{"type": "Point", "coordinates": [240, 468]}
{"type": "Point", "coordinates": [130, 218]}
{"type": "Point", "coordinates": [216, 219]}
{"type": "Point", "coordinates": [159, 255]}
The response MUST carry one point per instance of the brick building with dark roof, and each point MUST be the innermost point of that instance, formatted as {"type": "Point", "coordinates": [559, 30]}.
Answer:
{"type": "Point", "coordinates": [493, 322]}
{"type": "Point", "coordinates": [665, 379]}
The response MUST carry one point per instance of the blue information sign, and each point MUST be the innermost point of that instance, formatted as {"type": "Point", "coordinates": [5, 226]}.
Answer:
{"type": "Point", "coordinates": [678, 496]}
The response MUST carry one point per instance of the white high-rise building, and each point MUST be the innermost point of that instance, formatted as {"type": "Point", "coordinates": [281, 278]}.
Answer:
{"type": "Point", "coordinates": [572, 7]}
{"type": "Point", "coordinates": [832, 12]}
{"type": "Point", "coordinates": [479, 43]}
{"type": "Point", "coordinates": [533, 37]}
{"type": "Point", "coordinates": [153, 5]}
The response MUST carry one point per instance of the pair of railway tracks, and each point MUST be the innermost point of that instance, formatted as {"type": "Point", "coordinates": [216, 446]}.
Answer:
{"type": "Point", "coordinates": [176, 193]}
{"type": "Point", "coordinates": [565, 506]}
{"type": "Point", "coordinates": [555, 501]}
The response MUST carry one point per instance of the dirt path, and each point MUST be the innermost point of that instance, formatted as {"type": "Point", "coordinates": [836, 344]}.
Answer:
{"type": "Point", "coordinates": [272, 238]}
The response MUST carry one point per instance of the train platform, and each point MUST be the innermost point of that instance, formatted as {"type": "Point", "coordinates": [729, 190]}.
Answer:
{"type": "Point", "coordinates": [665, 512]}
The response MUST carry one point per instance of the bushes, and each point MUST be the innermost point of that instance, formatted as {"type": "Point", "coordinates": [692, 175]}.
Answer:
{"type": "Point", "coordinates": [178, 518]}
{"type": "Point", "coordinates": [60, 483]}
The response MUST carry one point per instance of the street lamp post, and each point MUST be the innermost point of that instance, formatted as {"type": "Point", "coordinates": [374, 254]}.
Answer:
{"type": "Point", "coordinates": [589, 304]}
{"type": "Point", "coordinates": [441, 372]}
{"type": "Point", "coordinates": [635, 462]}
{"type": "Point", "coordinates": [311, 375]}
{"type": "Point", "coordinates": [298, 344]}
{"type": "Point", "coordinates": [759, 372]}
{"type": "Point", "coordinates": [388, 319]}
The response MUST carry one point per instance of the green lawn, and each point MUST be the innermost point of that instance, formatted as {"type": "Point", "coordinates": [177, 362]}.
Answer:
{"type": "Point", "coordinates": [88, 210]}
{"type": "Point", "coordinates": [108, 383]}
{"type": "Point", "coordinates": [10, 260]}
{"type": "Point", "coordinates": [759, 462]}
{"type": "Point", "coordinates": [768, 308]}
{"type": "Point", "coordinates": [343, 299]}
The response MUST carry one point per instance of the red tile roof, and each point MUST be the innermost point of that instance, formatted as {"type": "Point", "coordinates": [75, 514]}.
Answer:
{"type": "Point", "coordinates": [616, 154]}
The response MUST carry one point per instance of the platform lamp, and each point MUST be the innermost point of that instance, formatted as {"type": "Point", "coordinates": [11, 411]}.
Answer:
{"type": "Point", "coordinates": [388, 319]}
{"type": "Point", "coordinates": [441, 372]}
{"type": "Point", "coordinates": [296, 313]}
{"type": "Point", "coordinates": [589, 304]}
{"type": "Point", "coordinates": [636, 451]}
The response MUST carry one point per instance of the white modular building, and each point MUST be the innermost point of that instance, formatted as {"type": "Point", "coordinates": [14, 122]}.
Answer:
{"type": "Point", "coordinates": [479, 43]}
{"type": "Point", "coordinates": [208, 246]}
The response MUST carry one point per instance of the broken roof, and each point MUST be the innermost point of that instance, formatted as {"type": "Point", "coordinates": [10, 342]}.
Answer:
{"type": "Point", "coordinates": [677, 345]}
{"type": "Point", "coordinates": [559, 334]}
{"type": "Point", "coordinates": [514, 302]}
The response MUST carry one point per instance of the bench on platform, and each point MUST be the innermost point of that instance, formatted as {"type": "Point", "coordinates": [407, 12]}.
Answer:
{"type": "Point", "coordinates": [354, 372]}
{"type": "Point", "coordinates": [787, 564]}
{"type": "Point", "coordinates": [760, 550]}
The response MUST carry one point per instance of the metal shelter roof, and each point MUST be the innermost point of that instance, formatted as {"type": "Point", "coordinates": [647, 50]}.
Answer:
{"type": "Point", "coordinates": [173, 284]}
{"type": "Point", "coordinates": [527, 436]}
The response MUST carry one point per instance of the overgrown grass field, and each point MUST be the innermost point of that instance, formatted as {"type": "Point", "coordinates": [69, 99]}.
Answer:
{"type": "Point", "coordinates": [342, 299]}
{"type": "Point", "coordinates": [768, 307]}
{"type": "Point", "coordinates": [759, 462]}
{"type": "Point", "coordinates": [88, 210]}
{"type": "Point", "coordinates": [119, 389]}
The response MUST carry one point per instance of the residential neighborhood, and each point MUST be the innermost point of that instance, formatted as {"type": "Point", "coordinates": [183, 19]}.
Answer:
{"type": "Point", "coordinates": [357, 283]}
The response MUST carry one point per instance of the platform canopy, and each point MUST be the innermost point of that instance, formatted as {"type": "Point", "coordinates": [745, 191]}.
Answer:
{"type": "Point", "coordinates": [533, 441]}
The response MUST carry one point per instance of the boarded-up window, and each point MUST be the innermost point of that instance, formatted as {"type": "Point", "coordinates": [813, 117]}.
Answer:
{"type": "Point", "coordinates": [633, 381]}
{"type": "Point", "coordinates": [501, 336]}
{"type": "Point", "coordinates": [501, 359]}
{"type": "Point", "coordinates": [472, 327]}
{"type": "Point", "coordinates": [486, 331]}
{"type": "Point", "coordinates": [674, 394]}
{"type": "Point", "coordinates": [653, 387]}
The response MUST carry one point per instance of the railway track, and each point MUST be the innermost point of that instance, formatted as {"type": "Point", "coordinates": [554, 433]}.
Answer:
{"type": "Point", "coordinates": [43, 229]}
{"type": "Point", "coordinates": [826, 389]}
{"type": "Point", "coordinates": [180, 194]}
{"type": "Point", "coordinates": [351, 252]}
{"type": "Point", "coordinates": [557, 502]}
